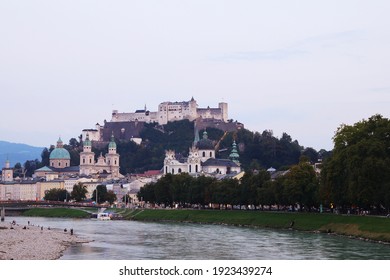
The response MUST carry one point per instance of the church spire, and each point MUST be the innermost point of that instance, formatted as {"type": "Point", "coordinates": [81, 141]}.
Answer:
{"type": "Point", "coordinates": [234, 156]}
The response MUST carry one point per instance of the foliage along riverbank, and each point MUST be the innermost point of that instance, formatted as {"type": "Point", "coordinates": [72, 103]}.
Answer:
{"type": "Point", "coordinates": [365, 227]}
{"type": "Point", "coordinates": [56, 213]}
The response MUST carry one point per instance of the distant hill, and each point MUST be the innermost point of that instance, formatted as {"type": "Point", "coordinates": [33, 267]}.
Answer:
{"type": "Point", "coordinates": [18, 153]}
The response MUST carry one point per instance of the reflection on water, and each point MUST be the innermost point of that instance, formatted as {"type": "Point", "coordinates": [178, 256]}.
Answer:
{"type": "Point", "coordinates": [115, 240]}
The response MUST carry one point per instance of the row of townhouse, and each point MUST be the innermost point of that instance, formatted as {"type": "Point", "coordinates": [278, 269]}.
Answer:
{"type": "Point", "coordinates": [35, 190]}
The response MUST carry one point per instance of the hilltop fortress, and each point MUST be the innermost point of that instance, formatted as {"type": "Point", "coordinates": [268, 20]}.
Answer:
{"type": "Point", "coordinates": [127, 126]}
{"type": "Point", "coordinates": [174, 111]}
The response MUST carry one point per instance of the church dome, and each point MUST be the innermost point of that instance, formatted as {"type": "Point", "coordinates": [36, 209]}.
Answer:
{"type": "Point", "coordinates": [59, 152]}
{"type": "Point", "coordinates": [205, 143]}
{"type": "Point", "coordinates": [87, 142]}
{"type": "Point", "coordinates": [112, 144]}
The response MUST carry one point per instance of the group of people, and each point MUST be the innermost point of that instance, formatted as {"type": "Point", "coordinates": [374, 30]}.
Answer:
{"type": "Point", "coordinates": [13, 223]}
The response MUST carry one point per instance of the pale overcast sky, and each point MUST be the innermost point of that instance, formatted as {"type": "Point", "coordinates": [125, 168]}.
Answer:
{"type": "Point", "coordinates": [301, 67]}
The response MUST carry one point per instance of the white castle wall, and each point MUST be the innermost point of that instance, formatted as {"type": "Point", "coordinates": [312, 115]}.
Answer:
{"type": "Point", "coordinates": [174, 111]}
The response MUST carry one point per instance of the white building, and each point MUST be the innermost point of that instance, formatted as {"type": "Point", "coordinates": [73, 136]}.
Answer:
{"type": "Point", "coordinates": [104, 164]}
{"type": "Point", "coordinates": [174, 111]}
{"type": "Point", "coordinates": [201, 160]}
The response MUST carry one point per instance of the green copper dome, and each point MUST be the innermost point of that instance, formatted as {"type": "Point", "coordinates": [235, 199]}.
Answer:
{"type": "Point", "coordinates": [112, 144]}
{"type": "Point", "coordinates": [87, 142]}
{"type": "Point", "coordinates": [59, 153]}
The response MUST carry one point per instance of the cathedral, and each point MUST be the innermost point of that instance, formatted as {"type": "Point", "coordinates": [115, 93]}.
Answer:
{"type": "Point", "coordinates": [104, 164]}
{"type": "Point", "coordinates": [201, 160]}
{"type": "Point", "coordinates": [59, 166]}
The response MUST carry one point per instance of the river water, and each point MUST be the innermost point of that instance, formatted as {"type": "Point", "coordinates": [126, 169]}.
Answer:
{"type": "Point", "coordinates": [125, 240]}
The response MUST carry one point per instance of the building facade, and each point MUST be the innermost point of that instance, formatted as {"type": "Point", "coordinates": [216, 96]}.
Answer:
{"type": "Point", "coordinates": [104, 164]}
{"type": "Point", "coordinates": [174, 111]}
{"type": "Point", "coordinates": [201, 160]}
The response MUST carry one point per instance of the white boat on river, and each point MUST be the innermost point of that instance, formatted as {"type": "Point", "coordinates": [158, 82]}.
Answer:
{"type": "Point", "coordinates": [103, 216]}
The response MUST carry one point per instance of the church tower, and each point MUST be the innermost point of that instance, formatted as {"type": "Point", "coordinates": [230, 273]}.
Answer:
{"type": "Point", "coordinates": [234, 156]}
{"type": "Point", "coordinates": [7, 174]}
{"type": "Point", "coordinates": [87, 158]}
{"type": "Point", "coordinates": [206, 147]}
{"type": "Point", "coordinates": [112, 158]}
{"type": "Point", "coordinates": [194, 163]}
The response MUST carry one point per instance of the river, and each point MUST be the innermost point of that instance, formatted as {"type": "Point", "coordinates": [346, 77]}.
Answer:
{"type": "Point", "coordinates": [124, 240]}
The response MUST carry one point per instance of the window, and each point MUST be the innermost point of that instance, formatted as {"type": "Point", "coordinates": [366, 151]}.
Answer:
{"type": "Point", "coordinates": [211, 154]}
{"type": "Point", "coordinates": [204, 154]}
{"type": "Point", "coordinates": [196, 168]}
{"type": "Point", "coordinates": [179, 171]}
{"type": "Point", "coordinates": [173, 171]}
{"type": "Point", "coordinates": [190, 169]}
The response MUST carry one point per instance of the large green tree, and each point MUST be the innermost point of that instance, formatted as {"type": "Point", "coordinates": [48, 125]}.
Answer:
{"type": "Point", "coordinates": [358, 173]}
{"type": "Point", "coordinates": [56, 194]}
{"type": "Point", "coordinates": [301, 185]}
{"type": "Point", "coordinates": [79, 192]}
{"type": "Point", "coordinates": [101, 191]}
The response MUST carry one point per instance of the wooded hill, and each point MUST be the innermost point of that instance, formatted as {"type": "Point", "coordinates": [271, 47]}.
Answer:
{"type": "Point", "coordinates": [256, 150]}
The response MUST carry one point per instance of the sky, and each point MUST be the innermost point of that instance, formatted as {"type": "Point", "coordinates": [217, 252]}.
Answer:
{"type": "Point", "coordinates": [300, 67]}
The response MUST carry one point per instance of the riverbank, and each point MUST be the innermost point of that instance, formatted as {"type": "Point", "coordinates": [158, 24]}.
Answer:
{"type": "Point", "coordinates": [34, 242]}
{"type": "Point", "coordinates": [362, 227]}
{"type": "Point", "coordinates": [371, 228]}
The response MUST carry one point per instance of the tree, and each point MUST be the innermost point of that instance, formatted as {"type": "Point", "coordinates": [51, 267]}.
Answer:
{"type": "Point", "coordinates": [301, 185]}
{"type": "Point", "coordinates": [101, 194]}
{"type": "Point", "coordinates": [56, 194]}
{"type": "Point", "coordinates": [311, 154]}
{"type": "Point", "coordinates": [358, 172]}
{"type": "Point", "coordinates": [30, 166]}
{"type": "Point", "coordinates": [110, 197]}
{"type": "Point", "coordinates": [74, 143]}
{"type": "Point", "coordinates": [146, 193]}
{"type": "Point", "coordinates": [79, 192]}
{"type": "Point", "coordinates": [45, 156]}
{"type": "Point", "coordinates": [266, 194]}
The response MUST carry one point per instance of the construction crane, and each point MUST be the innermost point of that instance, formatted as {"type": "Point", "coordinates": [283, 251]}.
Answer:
{"type": "Point", "coordinates": [219, 142]}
